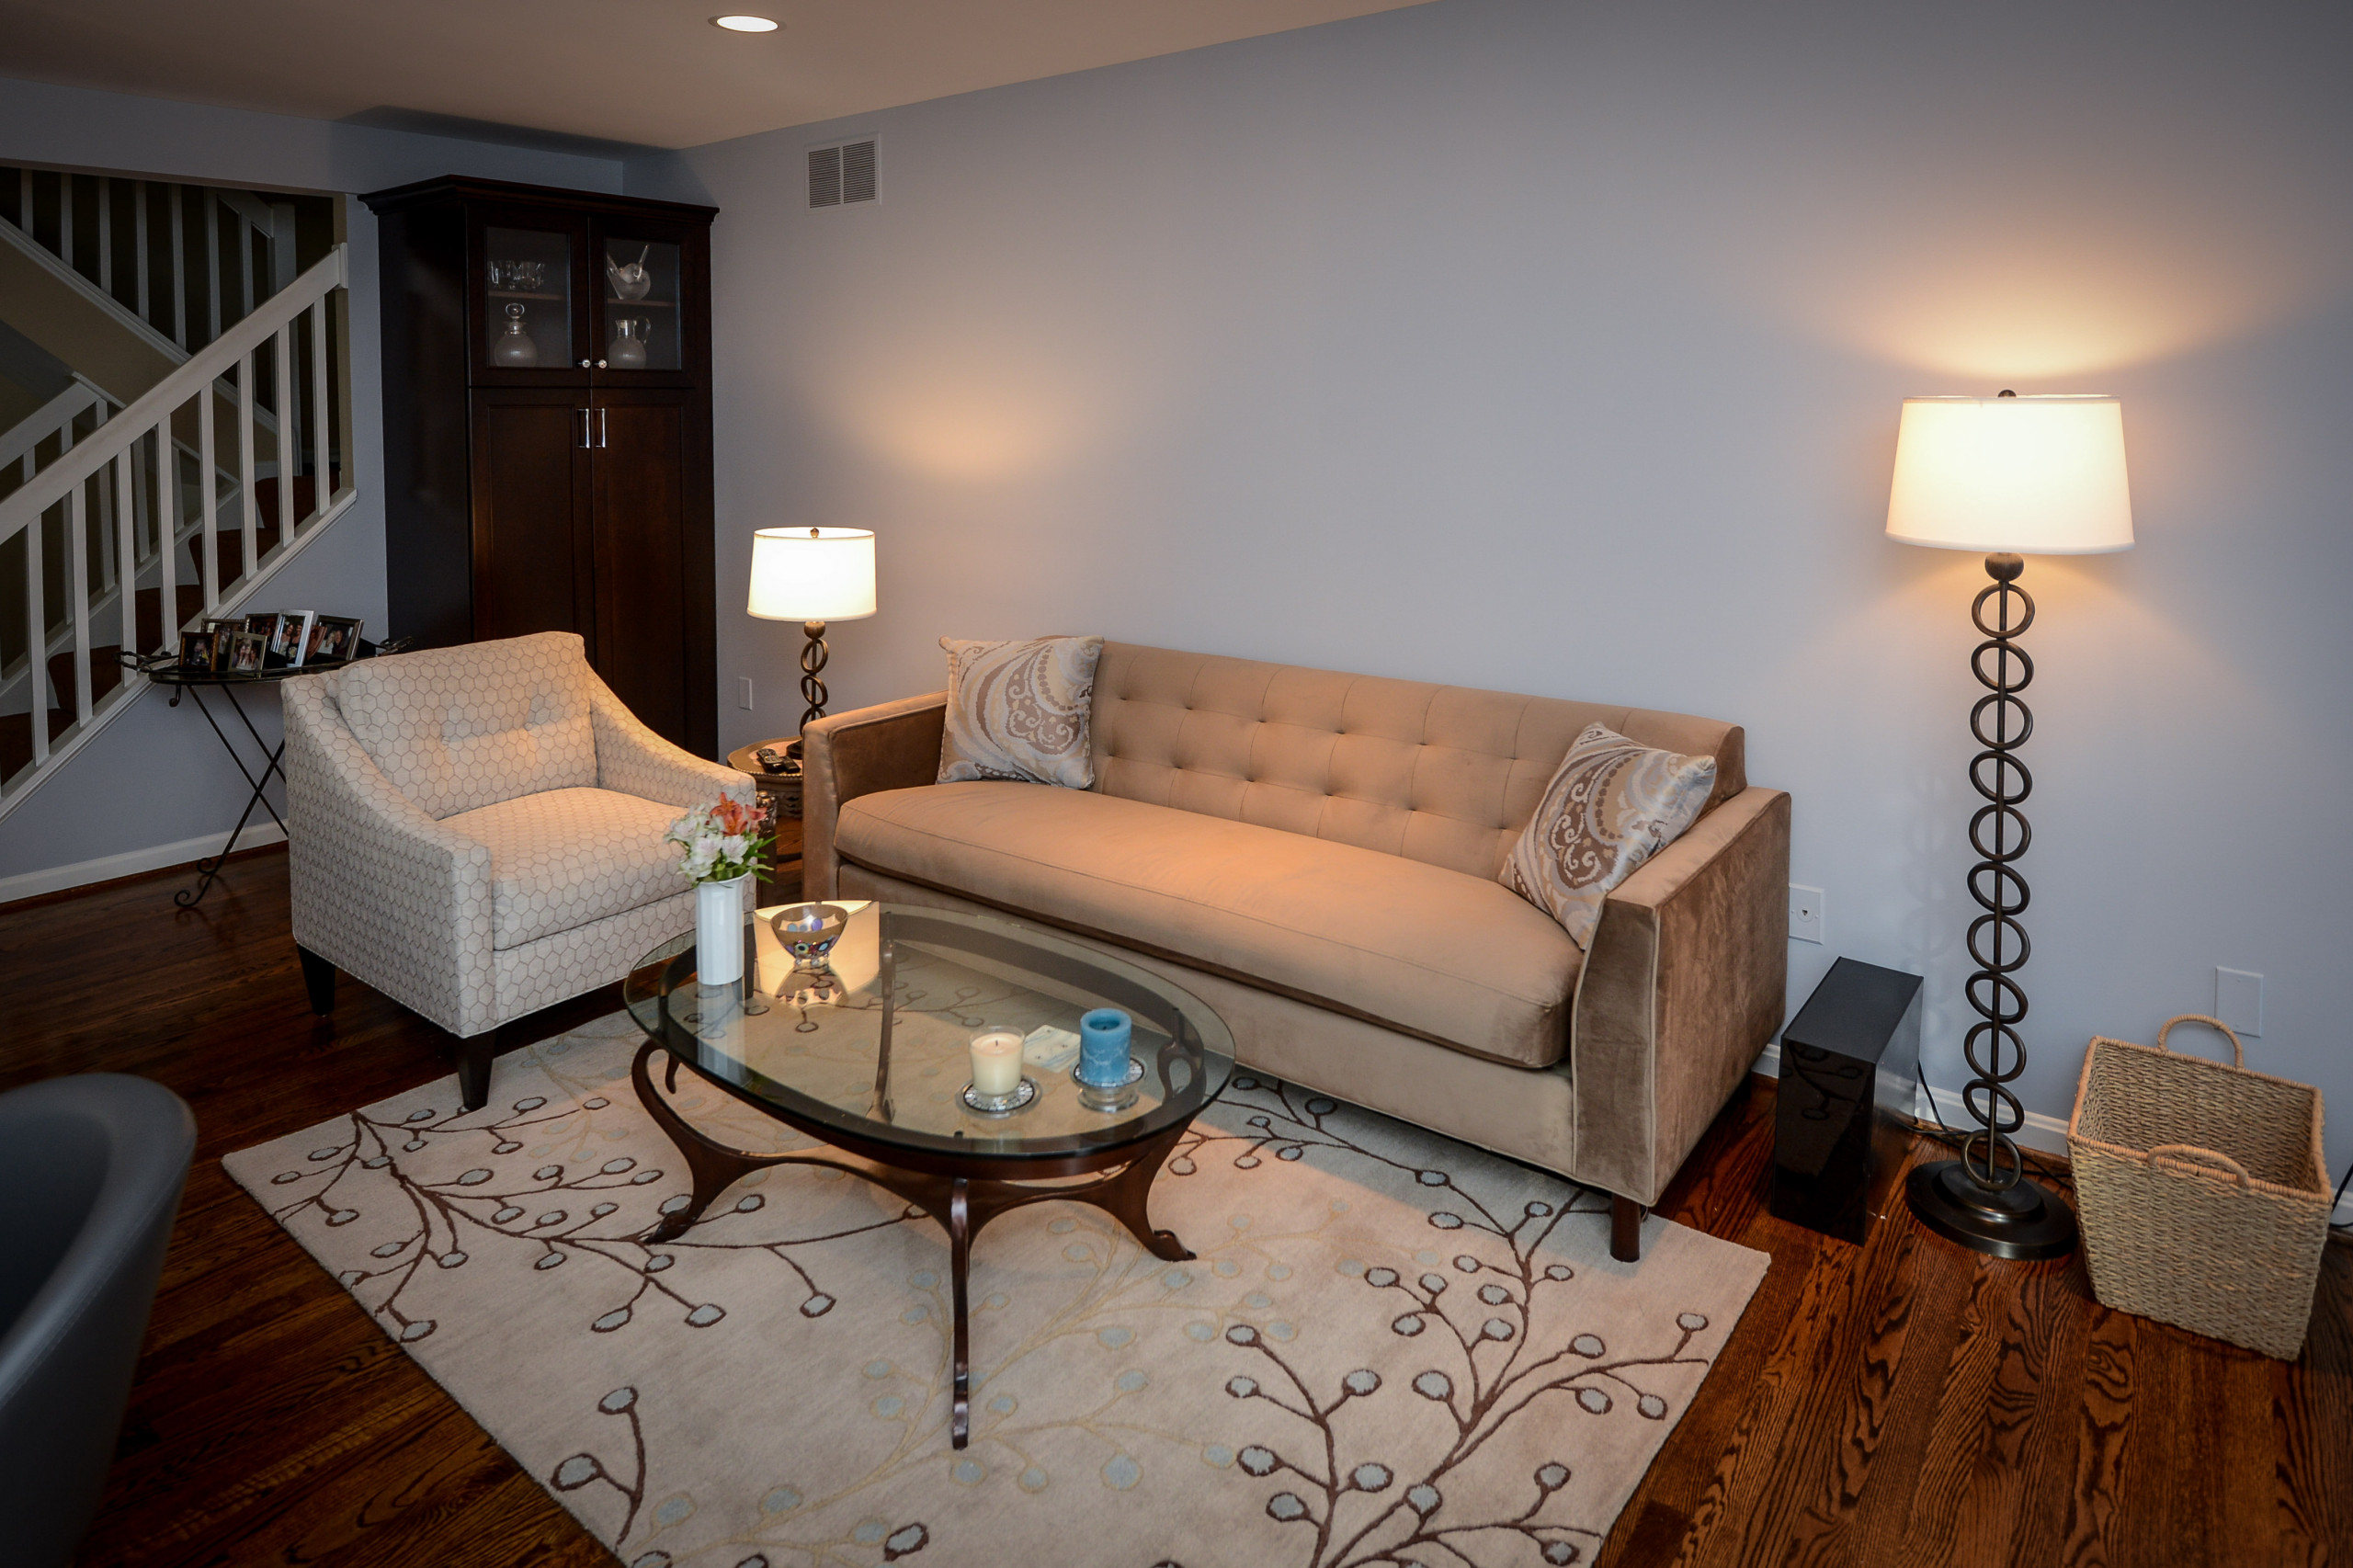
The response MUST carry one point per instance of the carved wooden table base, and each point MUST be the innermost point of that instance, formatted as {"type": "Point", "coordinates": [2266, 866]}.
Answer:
{"type": "Point", "coordinates": [963, 1193]}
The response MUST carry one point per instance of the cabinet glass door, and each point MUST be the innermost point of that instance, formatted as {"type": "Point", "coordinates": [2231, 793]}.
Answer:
{"type": "Point", "coordinates": [526, 282]}
{"type": "Point", "coordinates": [639, 285]}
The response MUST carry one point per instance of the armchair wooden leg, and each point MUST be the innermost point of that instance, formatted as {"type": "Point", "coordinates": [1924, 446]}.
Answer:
{"type": "Point", "coordinates": [318, 975]}
{"type": "Point", "coordinates": [474, 1056]}
{"type": "Point", "coordinates": [1625, 1229]}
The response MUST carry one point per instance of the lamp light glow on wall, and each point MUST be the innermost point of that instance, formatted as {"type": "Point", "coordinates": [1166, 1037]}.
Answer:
{"type": "Point", "coordinates": [812, 575]}
{"type": "Point", "coordinates": [2012, 476]}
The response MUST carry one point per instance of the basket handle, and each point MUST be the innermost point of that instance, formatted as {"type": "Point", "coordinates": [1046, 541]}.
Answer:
{"type": "Point", "coordinates": [2237, 1051]}
{"type": "Point", "coordinates": [2191, 1155]}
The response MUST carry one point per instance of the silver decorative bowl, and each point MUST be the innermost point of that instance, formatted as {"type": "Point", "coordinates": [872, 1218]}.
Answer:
{"type": "Point", "coordinates": [808, 931]}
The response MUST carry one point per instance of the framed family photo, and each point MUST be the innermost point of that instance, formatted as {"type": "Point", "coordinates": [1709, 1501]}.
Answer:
{"type": "Point", "coordinates": [333, 639]}
{"type": "Point", "coordinates": [288, 638]}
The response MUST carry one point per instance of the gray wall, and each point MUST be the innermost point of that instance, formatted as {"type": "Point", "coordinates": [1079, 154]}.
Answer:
{"type": "Point", "coordinates": [156, 776]}
{"type": "Point", "coordinates": [1558, 348]}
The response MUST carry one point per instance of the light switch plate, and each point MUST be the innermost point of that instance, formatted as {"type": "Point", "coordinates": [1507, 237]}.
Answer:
{"type": "Point", "coordinates": [743, 692]}
{"type": "Point", "coordinates": [1805, 914]}
{"type": "Point", "coordinates": [2238, 1001]}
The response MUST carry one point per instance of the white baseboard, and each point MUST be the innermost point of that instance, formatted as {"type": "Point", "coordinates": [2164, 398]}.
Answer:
{"type": "Point", "coordinates": [2047, 1133]}
{"type": "Point", "coordinates": [131, 863]}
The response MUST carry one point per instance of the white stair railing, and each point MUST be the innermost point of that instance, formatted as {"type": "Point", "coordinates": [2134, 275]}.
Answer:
{"type": "Point", "coordinates": [118, 503]}
{"type": "Point", "coordinates": [155, 296]}
{"type": "Point", "coordinates": [20, 442]}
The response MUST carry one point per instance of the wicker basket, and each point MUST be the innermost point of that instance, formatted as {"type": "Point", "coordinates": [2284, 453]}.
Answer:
{"type": "Point", "coordinates": [2201, 1190]}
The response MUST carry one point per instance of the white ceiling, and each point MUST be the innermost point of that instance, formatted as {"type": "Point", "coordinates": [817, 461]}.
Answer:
{"type": "Point", "coordinates": [652, 73]}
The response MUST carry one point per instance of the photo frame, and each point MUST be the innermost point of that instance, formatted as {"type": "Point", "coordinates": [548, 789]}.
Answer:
{"type": "Point", "coordinates": [333, 639]}
{"type": "Point", "coordinates": [289, 640]}
{"type": "Point", "coordinates": [196, 650]}
{"type": "Point", "coordinates": [246, 652]}
{"type": "Point", "coordinates": [224, 638]}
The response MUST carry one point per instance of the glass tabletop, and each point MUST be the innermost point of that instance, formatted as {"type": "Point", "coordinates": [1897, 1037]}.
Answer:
{"type": "Point", "coordinates": [843, 1050]}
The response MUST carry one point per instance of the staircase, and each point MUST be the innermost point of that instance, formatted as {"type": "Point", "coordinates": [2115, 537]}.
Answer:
{"type": "Point", "coordinates": [189, 494]}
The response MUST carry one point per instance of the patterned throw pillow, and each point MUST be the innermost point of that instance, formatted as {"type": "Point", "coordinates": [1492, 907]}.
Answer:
{"type": "Point", "coordinates": [1613, 804]}
{"type": "Point", "coordinates": [1018, 711]}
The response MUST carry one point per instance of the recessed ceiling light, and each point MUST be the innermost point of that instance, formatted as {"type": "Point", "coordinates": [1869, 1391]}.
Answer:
{"type": "Point", "coordinates": [746, 24]}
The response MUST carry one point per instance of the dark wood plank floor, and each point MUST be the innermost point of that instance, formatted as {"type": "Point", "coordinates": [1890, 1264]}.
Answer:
{"type": "Point", "coordinates": [1903, 1403]}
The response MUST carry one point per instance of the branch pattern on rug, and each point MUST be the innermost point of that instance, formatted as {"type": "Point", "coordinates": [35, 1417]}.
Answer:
{"type": "Point", "coordinates": [1392, 1350]}
{"type": "Point", "coordinates": [479, 1208]}
{"type": "Point", "coordinates": [1496, 1374]}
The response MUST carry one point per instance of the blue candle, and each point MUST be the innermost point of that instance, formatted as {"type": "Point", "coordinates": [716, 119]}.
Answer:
{"type": "Point", "coordinates": [1103, 1047]}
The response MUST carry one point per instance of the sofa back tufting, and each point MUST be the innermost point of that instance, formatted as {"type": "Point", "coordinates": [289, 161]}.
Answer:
{"type": "Point", "coordinates": [1442, 774]}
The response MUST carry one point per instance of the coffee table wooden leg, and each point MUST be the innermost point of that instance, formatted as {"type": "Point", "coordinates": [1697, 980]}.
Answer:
{"type": "Point", "coordinates": [1126, 1196]}
{"type": "Point", "coordinates": [960, 1256]}
{"type": "Point", "coordinates": [713, 1167]}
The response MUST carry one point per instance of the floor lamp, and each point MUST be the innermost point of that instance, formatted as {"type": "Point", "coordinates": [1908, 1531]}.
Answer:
{"type": "Point", "coordinates": [812, 575]}
{"type": "Point", "coordinates": [2012, 476]}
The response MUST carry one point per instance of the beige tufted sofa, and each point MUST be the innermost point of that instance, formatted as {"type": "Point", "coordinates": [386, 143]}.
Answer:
{"type": "Point", "coordinates": [1314, 854]}
{"type": "Point", "coordinates": [477, 832]}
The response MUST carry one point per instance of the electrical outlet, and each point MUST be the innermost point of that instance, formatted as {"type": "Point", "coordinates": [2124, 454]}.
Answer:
{"type": "Point", "coordinates": [1805, 914]}
{"type": "Point", "coordinates": [2238, 1001]}
{"type": "Point", "coordinates": [743, 692]}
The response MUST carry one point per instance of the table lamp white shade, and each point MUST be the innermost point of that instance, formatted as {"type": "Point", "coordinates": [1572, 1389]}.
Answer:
{"type": "Point", "coordinates": [2012, 475]}
{"type": "Point", "coordinates": [812, 575]}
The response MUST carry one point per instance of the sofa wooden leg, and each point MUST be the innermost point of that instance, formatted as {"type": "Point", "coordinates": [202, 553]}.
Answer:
{"type": "Point", "coordinates": [1625, 1229]}
{"type": "Point", "coordinates": [318, 975]}
{"type": "Point", "coordinates": [473, 1068]}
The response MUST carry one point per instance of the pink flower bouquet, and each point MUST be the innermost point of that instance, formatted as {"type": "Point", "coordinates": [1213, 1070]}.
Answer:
{"type": "Point", "coordinates": [724, 840]}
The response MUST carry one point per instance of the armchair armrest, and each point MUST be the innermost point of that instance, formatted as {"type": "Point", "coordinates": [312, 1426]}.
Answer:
{"type": "Point", "coordinates": [632, 759]}
{"type": "Point", "coordinates": [892, 745]}
{"type": "Point", "coordinates": [1685, 983]}
{"type": "Point", "coordinates": [379, 888]}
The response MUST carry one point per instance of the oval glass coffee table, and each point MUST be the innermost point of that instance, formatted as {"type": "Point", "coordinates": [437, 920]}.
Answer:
{"type": "Point", "coordinates": [870, 1055]}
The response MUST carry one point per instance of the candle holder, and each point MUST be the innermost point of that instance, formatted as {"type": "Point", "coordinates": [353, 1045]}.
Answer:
{"type": "Point", "coordinates": [1118, 1094]}
{"type": "Point", "coordinates": [1000, 1105]}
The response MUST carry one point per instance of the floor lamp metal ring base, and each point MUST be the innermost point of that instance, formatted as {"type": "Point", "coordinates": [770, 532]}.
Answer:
{"type": "Point", "coordinates": [2024, 1222]}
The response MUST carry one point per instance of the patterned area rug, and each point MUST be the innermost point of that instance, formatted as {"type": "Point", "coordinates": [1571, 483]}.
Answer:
{"type": "Point", "coordinates": [1391, 1350]}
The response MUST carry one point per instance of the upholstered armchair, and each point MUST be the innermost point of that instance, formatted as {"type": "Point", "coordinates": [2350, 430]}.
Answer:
{"type": "Point", "coordinates": [477, 832]}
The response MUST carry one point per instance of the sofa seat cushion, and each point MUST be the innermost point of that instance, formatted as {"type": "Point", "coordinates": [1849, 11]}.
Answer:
{"type": "Point", "coordinates": [563, 859]}
{"type": "Point", "coordinates": [1452, 957]}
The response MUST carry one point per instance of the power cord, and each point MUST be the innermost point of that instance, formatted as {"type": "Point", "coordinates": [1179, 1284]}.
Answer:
{"type": "Point", "coordinates": [2338, 1202]}
{"type": "Point", "coordinates": [1944, 1133]}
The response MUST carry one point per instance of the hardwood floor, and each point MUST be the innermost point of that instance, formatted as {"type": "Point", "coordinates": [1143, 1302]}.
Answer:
{"type": "Point", "coordinates": [1902, 1403]}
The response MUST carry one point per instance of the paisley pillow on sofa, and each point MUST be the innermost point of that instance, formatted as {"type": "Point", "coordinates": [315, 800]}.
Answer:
{"type": "Point", "coordinates": [1612, 805]}
{"type": "Point", "coordinates": [1018, 711]}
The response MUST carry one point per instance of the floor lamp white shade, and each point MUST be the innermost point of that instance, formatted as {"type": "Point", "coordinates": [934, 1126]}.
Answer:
{"type": "Point", "coordinates": [812, 575]}
{"type": "Point", "coordinates": [2012, 475]}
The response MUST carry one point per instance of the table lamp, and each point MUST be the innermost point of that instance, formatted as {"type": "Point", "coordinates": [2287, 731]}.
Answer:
{"type": "Point", "coordinates": [812, 575]}
{"type": "Point", "coordinates": [2012, 476]}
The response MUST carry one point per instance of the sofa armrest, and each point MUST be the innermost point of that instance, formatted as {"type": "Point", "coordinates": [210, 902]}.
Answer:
{"type": "Point", "coordinates": [1685, 984]}
{"type": "Point", "coordinates": [379, 888]}
{"type": "Point", "coordinates": [892, 745]}
{"type": "Point", "coordinates": [633, 760]}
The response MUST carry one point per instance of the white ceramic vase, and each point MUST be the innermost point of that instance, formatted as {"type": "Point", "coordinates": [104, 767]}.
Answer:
{"type": "Point", "coordinates": [719, 931]}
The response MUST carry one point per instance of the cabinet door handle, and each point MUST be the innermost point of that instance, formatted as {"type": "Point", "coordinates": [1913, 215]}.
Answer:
{"type": "Point", "coordinates": [600, 364]}
{"type": "Point", "coordinates": [600, 427]}
{"type": "Point", "coordinates": [584, 426]}
{"type": "Point", "coordinates": [583, 364]}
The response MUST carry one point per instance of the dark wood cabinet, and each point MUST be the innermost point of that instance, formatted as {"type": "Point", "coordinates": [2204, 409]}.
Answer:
{"type": "Point", "coordinates": [547, 431]}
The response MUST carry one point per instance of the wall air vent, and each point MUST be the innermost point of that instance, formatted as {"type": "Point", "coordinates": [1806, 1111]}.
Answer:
{"type": "Point", "coordinates": [841, 174]}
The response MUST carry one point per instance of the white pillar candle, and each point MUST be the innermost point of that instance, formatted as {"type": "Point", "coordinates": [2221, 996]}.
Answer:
{"type": "Point", "coordinates": [996, 1064]}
